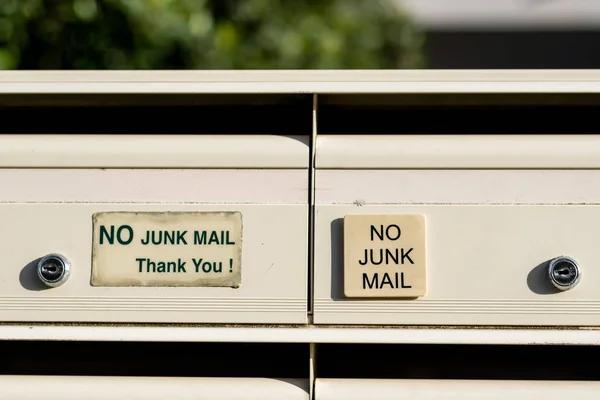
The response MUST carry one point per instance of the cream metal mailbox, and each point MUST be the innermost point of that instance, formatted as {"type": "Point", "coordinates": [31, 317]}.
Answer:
{"type": "Point", "coordinates": [162, 228]}
{"type": "Point", "coordinates": [294, 234]}
{"type": "Point", "coordinates": [481, 229]}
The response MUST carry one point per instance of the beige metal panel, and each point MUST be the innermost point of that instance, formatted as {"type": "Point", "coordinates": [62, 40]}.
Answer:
{"type": "Point", "coordinates": [274, 269]}
{"type": "Point", "coordinates": [153, 151]}
{"type": "Point", "coordinates": [425, 389]}
{"type": "Point", "coordinates": [457, 151]}
{"type": "Point", "coordinates": [484, 266]}
{"type": "Point", "coordinates": [16, 387]}
{"type": "Point", "coordinates": [302, 334]}
{"type": "Point", "coordinates": [439, 186]}
{"type": "Point", "coordinates": [266, 186]}
{"type": "Point", "coordinates": [53, 184]}
{"type": "Point", "coordinates": [418, 81]}
{"type": "Point", "coordinates": [491, 228]}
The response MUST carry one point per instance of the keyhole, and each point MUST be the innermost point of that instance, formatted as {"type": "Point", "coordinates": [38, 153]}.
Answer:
{"type": "Point", "coordinates": [564, 273]}
{"type": "Point", "coordinates": [53, 270]}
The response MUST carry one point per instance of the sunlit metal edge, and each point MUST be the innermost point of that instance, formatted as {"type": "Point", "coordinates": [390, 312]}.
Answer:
{"type": "Point", "coordinates": [305, 334]}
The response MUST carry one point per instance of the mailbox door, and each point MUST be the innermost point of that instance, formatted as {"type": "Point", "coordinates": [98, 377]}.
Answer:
{"type": "Point", "coordinates": [156, 228]}
{"type": "Point", "coordinates": [496, 214]}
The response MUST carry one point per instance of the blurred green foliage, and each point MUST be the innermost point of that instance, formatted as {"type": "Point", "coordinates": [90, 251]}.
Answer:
{"type": "Point", "coordinates": [206, 34]}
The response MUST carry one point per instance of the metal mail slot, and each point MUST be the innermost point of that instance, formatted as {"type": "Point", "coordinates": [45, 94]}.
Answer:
{"type": "Point", "coordinates": [457, 230]}
{"type": "Point", "coordinates": [154, 228]}
{"type": "Point", "coordinates": [110, 387]}
{"type": "Point", "coordinates": [405, 389]}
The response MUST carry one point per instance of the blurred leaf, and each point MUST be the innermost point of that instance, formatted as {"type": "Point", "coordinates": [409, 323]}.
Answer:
{"type": "Point", "coordinates": [7, 60]}
{"type": "Point", "coordinates": [206, 34]}
{"type": "Point", "coordinates": [85, 10]}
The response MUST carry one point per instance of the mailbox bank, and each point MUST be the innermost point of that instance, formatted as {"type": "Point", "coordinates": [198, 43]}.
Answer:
{"type": "Point", "coordinates": [331, 234]}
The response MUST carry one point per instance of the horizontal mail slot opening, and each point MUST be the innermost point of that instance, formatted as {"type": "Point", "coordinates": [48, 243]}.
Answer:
{"type": "Point", "coordinates": [477, 362]}
{"type": "Point", "coordinates": [382, 389]}
{"type": "Point", "coordinates": [456, 119]}
{"type": "Point", "coordinates": [455, 99]}
{"type": "Point", "coordinates": [32, 100]}
{"type": "Point", "coordinates": [160, 119]}
{"type": "Point", "coordinates": [244, 360]}
{"type": "Point", "coordinates": [113, 388]}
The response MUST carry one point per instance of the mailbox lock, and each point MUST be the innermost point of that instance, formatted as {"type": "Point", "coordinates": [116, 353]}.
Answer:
{"type": "Point", "coordinates": [564, 273]}
{"type": "Point", "coordinates": [54, 269]}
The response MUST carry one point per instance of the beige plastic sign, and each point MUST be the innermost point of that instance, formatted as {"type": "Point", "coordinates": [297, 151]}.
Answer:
{"type": "Point", "coordinates": [384, 256]}
{"type": "Point", "coordinates": [196, 249]}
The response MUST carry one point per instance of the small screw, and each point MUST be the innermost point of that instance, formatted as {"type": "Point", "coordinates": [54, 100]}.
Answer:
{"type": "Point", "coordinates": [54, 270]}
{"type": "Point", "coordinates": [564, 273]}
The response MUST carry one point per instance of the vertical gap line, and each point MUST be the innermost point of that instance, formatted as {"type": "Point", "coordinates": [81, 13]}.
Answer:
{"type": "Point", "coordinates": [312, 377]}
{"type": "Point", "coordinates": [311, 209]}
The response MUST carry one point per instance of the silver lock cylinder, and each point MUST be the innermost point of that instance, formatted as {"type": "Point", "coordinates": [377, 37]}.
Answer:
{"type": "Point", "coordinates": [54, 270]}
{"type": "Point", "coordinates": [564, 273]}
